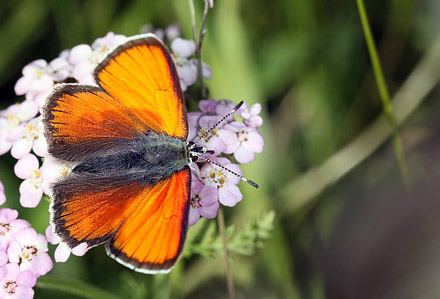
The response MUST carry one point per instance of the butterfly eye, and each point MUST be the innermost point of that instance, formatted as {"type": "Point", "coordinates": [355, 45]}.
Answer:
{"type": "Point", "coordinates": [194, 158]}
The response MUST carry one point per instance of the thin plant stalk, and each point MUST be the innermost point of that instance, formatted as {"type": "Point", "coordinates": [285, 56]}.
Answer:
{"type": "Point", "coordinates": [192, 13]}
{"type": "Point", "coordinates": [384, 95]}
{"type": "Point", "coordinates": [199, 40]}
{"type": "Point", "coordinates": [229, 280]}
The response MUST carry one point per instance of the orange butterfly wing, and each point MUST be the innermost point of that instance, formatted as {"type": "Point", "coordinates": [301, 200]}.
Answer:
{"type": "Point", "coordinates": [141, 74]}
{"type": "Point", "coordinates": [151, 239]}
{"type": "Point", "coordinates": [91, 209]}
{"type": "Point", "coordinates": [82, 121]}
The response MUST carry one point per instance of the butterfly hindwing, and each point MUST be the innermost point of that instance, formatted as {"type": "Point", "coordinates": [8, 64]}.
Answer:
{"type": "Point", "coordinates": [90, 209]}
{"type": "Point", "coordinates": [141, 75]}
{"type": "Point", "coordinates": [151, 239]}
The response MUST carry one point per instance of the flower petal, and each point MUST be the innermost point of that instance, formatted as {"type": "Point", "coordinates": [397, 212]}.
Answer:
{"type": "Point", "coordinates": [27, 278]}
{"type": "Point", "coordinates": [255, 141]}
{"type": "Point", "coordinates": [25, 166]}
{"type": "Point", "coordinates": [3, 257]}
{"type": "Point", "coordinates": [30, 196]}
{"type": "Point", "coordinates": [193, 216]}
{"type": "Point", "coordinates": [244, 155]}
{"type": "Point", "coordinates": [50, 236]}
{"type": "Point", "coordinates": [79, 53]}
{"type": "Point", "coordinates": [21, 148]}
{"type": "Point", "coordinates": [187, 74]}
{"type": "Point", "coordinates": [183, 47]}
{"type": "Point", "coordinates": [80, 250]}
{"type": "Point", "coordinates": [23, 292]}
{"type": "Point", "coordinates": [40, 146]}
{"type": "Point", "coordinates": [62, 253]}
{"type": "Point", "coordinates": [26, 236]}
{"type": "Point", "coordinates": [23, 85]}
{"type": "Point", "coordinates": [14, 251]}
{"type": "Point", "coordinates": [7, 215]}
{"type": "Point", "coordinates": [41, 243]}
{"type": "Point", "coordinates": [27, 110]}
{"type": "Point", "coordinates": [230, 195]}
{"type": "Point", "coordinates": [12, 271]}
{"type": "Point", "coordinates": [44, 263]}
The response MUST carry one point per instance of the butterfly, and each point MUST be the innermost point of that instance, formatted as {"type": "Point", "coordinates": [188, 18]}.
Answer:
{"type": "Point", "coordinates": [127, 141]}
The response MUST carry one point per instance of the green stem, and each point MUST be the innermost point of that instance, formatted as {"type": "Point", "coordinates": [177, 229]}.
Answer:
{"type": "Point", "coordinates": [384, 95]}
{"type": "Point", "coordinates": [199, 40]}
{"type": "Point", "coordinates": [192, 13]}
{"type": "Point", "coordinates": [73, 287]}
{"type": "Point", "coordinates": [229, 280]}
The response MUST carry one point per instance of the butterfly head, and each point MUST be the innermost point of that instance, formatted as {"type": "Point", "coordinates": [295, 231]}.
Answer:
{"type": "Point", "coordinates": [194, 152]}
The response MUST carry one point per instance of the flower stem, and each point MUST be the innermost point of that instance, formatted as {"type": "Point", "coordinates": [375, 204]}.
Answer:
{"type": "Point", "coordinates": [199, 40]}
{"type": "Point", "coordinates": [73, 287]}
{"type": "Point", "coordinates": [384, 95]}
{"type": "Point", "coordinates": [192, 12]}
{"type": "Point", "coordinates": [229, 280]}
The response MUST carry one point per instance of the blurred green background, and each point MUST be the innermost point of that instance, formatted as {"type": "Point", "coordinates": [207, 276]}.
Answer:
{"type": "Point", "coordinates": [345, 225]}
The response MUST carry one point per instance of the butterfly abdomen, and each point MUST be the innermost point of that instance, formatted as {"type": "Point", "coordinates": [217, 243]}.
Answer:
{"type": "Point", "coordinates": [151, 158]}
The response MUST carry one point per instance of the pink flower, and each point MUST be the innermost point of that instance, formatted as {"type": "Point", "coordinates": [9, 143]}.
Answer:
{"type": "Point", "coordinates": [36, 97]}
{"type": "Point", "coordinates": [31, 189]}
{"type": "Point", "coordinates": [40, 76]}
{"type": "Point", "coordinates": [209, 106]}
{"type": "Point", "coordinates": [62, 253]}
{"type": "Point", "coordinates": [32, 137]}
{"type": "Point", "coordinates": [108, 42]}
{"type": "Point", "coordinates": [226, 182]}
{"type": "Point", "coordinates": [210, 140]}
{"type": "Point", "coordinates": [187, 68]}
{"type": "Point", "coordinates": [203, 202]}
{"type": "Point", "coordinates": [172, 32]}
{"type": "Point", "coordinates": [244, 143]}
{"type": "Point", "coordinates": [194, 128]}
{"type": "Point", "coordinates": [11, 123]}
{"type": "Point", "coordinates": [9, 226]}
{"type": "Point", "coordinates": [29, 251]}
{"type": "Point", "coordinates": [85, 58]}
{"type": "Point", "coordinates": [206, 69]}
{"type": "Point", "coordinates": [251, 117]}
{"type": "Point", "coordinates": [223, 108]}
{"type": "Point", "coordinates": [16, 284]}
{"type": "Point", "coordinates": [183, 48]}
{"type": "Point", "coordinates": [2, 194]}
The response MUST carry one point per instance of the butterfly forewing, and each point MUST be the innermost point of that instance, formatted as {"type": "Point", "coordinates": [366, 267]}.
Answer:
{"type": "Point", "coordinates": [83, 121]}
{"type": "Point", "coordinates": [141, 74]}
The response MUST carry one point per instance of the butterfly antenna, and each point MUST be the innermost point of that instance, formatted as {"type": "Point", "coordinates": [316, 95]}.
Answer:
{"type": "Point", "coordinates": [219, 122]}
{"type": "Point", "coordinates": [252, 183]}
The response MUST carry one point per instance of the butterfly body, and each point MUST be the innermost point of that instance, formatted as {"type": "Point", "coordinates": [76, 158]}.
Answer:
{"type": "Point", "coordinates": [149, 158]}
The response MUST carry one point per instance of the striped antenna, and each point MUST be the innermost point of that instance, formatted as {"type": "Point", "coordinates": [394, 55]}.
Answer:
{"type": "Point", "coordinates": [219, 122]}
{"type": "Point", "coordinates": [252, 183]}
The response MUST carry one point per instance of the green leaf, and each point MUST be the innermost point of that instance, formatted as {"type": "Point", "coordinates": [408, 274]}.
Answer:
{"type": "Point", "coordinates": [74, 287]}
{"type": "Point", "coordinates": [243, 240]}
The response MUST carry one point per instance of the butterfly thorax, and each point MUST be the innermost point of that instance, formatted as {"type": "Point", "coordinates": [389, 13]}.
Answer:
{"type": "Point", "coordinates": [149, 158]}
